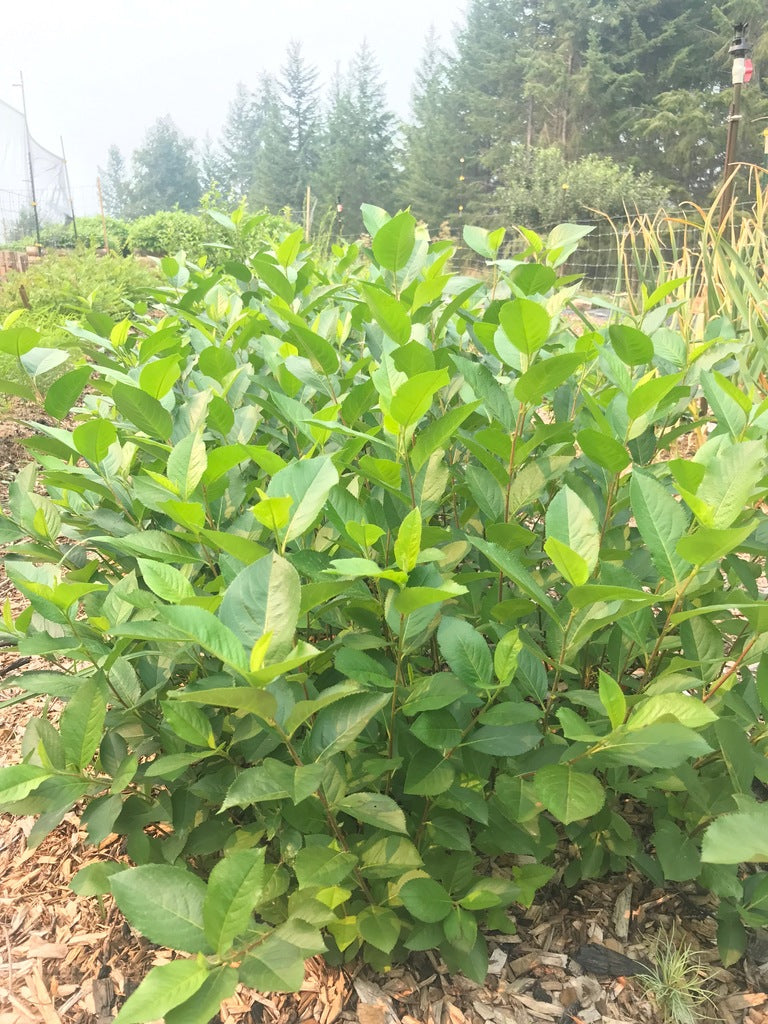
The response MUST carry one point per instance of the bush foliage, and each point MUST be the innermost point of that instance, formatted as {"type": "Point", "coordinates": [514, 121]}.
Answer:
{"type": "Point", "coordinates": [378, 597]}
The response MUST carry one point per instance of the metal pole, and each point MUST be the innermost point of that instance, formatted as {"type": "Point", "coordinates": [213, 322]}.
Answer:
{"type": "Point", "coordinates": [69, 188]}
{"type": "Point", "coordinates": [738, 51]}
{"type": "Point", "coordinates": [31, 166]}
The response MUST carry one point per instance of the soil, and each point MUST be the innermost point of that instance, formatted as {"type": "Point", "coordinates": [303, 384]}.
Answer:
{"type": "Point", "coordinates": [65, 959]}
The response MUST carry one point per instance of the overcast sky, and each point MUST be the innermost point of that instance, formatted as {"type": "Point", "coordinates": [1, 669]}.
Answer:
{"type": "Point", "coordinates": [98, 72]}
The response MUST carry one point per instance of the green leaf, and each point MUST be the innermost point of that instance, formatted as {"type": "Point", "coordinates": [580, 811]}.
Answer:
{"type": "Point", "coordinates": [336, 727]}
{"type": "Point", "coordinates": [568, 563]}
{"type": "Point", "coordinates": [708, 545]}
{"type": "Point", "coordinates": [240, 698]}
{"type": "Point", "coordinates": [205, 629]}
{"type": "Point", "coordinates": [93, 438]}
{"type": "Point", "coordinates": [394, 241]}
{"type": "Point", "coordinates": [322, 866]}
{"type": "Point", "coordinates": [82, 722]}
{"type": "Point", "coordinates": [288, 249]}
{"type": "Point", "coordinates": [158, 377]}
{"type": "Point", "coordinates": [206, 1002]}
{"type": "Point", "coordinates": [603, 449]}
{"type": "Point", "coordinates": [466, 652]}
{"type": "Point", "coordinates": [613, 700]}
{"type": "Point", "coordinates": [546, 375]}
{"type": "Point", "coordinates": [235, 887]}
{"type": "Point", "coordinates": [428, 774]}
{"type": "Point", "coordinates": [186, 464]}
{"type": "Point", "coordinates": [731, 936]}
{"type": "Point", "coordinates": [277, 963]}
{"type": "Point", "coordinates": [380, 927]}
{"type": "Point", "coordinates": [390, 314]}
{"type": "Point", "coordinates": [661, 745]}
{"type": "Point", "coordinates": [188, 723]}
{"type": "Point", "coordinates": [163, 988]}
{"type": "Point", "coordinates": [526, 325]}
{"type": "Point", "coordinates": [264, 598]}
{"type": "Point", "coordinates": [631, 346]}
{"type": "Point", "coordinates": [308, 483]}
{"type": "Point", "coordinates": [95, 879]}
{"type": "Point", "coordinates": [426, 900]}
{"type": "Point", "coordinates": [165, 904]}
{"type": "Point", "coordinates": [648, 395]}
{"type": "Point", "coordinates": [408, 541]}
{"type": "Point", "coordinates": [373, 809]}
{"type": "Point", "coordinates": [570, 521]}
{"type": "Point", "coordinates": [143, 411]}
{"type": "Point", "coordinates": [677, 853]}
{"type": "Point", "coordinates": [18, 780]}
{"type": "Point", "coordinates": [737, 838]}
{"type": "Point", "coordinates": [567, 793]}
{"type": "Point", "coordinates": [165, 581]}
{"type": "Point", "coordinates": [730, 479]}
{"type": "Point", "coordinates": [482, 241]}
{"type": "Point", "coordinates": [414, 397]}
{"type": "Point", "coordinates": [434, 435]}
{"type": "Point", "coordinates": [62, 394]}
{"type": "Point", "coordinates": [671, 707]}
{"type": "Point", "coordinates": [662, 523]}
{"type": "Point", "coordinates": [506, 655]}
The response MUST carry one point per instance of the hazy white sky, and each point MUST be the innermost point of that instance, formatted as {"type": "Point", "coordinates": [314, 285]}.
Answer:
{"type": "Point", "coordinates": [101, 71]}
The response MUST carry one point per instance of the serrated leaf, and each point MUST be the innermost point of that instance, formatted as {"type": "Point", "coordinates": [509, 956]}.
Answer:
{"type": "Point", "coordinates": [394, 241]}
{"type": "Point", "coordinates": [165, 904]}
{"type": "Point", "coordinates": [526, 325]}
{"type": "Point", "coordinates": [163, 988]}
{"type": "Point", "coordinates": [737, 838]}
{"type": "Point", "coordinates": [466, 652]}
{"type": "Point", "coordinates": [82, 722]}
{"type": "Point", "coordinates": [426, 900]}
{"type": "Point", "coordinates": [187, 464]}
{"type": "Point", "coordinates": [631, 346]}
{"type": "Point", "coordinates": [18, 780]}
{"type": "Point", "coordinates": [662, 523]}
{"type": "Point", "coordinates": [264, 598]}
{"type": "Point", "coordinates": [235, 887]}
{"type": "Point", "coordinates": [308, 482]}
{"type": "Point", "coordinates": [408, 541]}
{"type": "Point", "coordinates": [373, 809]}
{"type": "Point", "coordinates": [144, 411]}
{"type": "Point", "coordinates": [380, 927]}
{"type": "Point", "coordinates": [567, 793]}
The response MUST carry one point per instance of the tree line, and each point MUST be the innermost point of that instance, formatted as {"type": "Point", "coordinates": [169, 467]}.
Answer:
{"type": "Point", "coordinates": [534, 111]}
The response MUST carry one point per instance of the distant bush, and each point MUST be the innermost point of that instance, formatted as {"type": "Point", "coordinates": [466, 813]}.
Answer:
{"type": "Point", "coordinates": [541, 187]}
{"type": "Point", "coordinates": [72, 283]}
{"type": "Point", "coordinates": [169, 232]}
{"type": "Point", "coordinates": [90, 234]}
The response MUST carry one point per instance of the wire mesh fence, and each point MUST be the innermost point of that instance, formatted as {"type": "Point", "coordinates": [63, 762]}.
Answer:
{"type": "Point", "coordinates": [620, 254]}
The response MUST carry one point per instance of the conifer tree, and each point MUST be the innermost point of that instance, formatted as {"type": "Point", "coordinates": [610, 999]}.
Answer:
{"type": "Point", "coordinates": [165, 172]}
{"type": "Point", "coordinates": [358, 158]}
{"type": "Point", "coordinates": [434, 163]}
{"type": "Point", "coordinates": [115, 184]}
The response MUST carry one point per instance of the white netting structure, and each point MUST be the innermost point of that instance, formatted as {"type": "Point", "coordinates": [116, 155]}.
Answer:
{"type": "Point", "coordinates": [50, 180]}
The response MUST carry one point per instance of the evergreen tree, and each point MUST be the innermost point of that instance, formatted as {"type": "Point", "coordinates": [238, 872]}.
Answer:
{"type": "Point", "coordinates": [434, 162]}
{"type": "Point", "coordinates": [241, 142]}
{"type": "Point", "coordinates": [358, 155]}
{"type": "Point", "coordinates": [115, 184]}
{"type": "Point", "coordinates": [165, 173]}
{"type": "Point", "coordinates": [274, 182]}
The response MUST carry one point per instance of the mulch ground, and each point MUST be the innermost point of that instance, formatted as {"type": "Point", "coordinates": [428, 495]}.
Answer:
{"type": "Point", "coordinates": [65, 959]}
